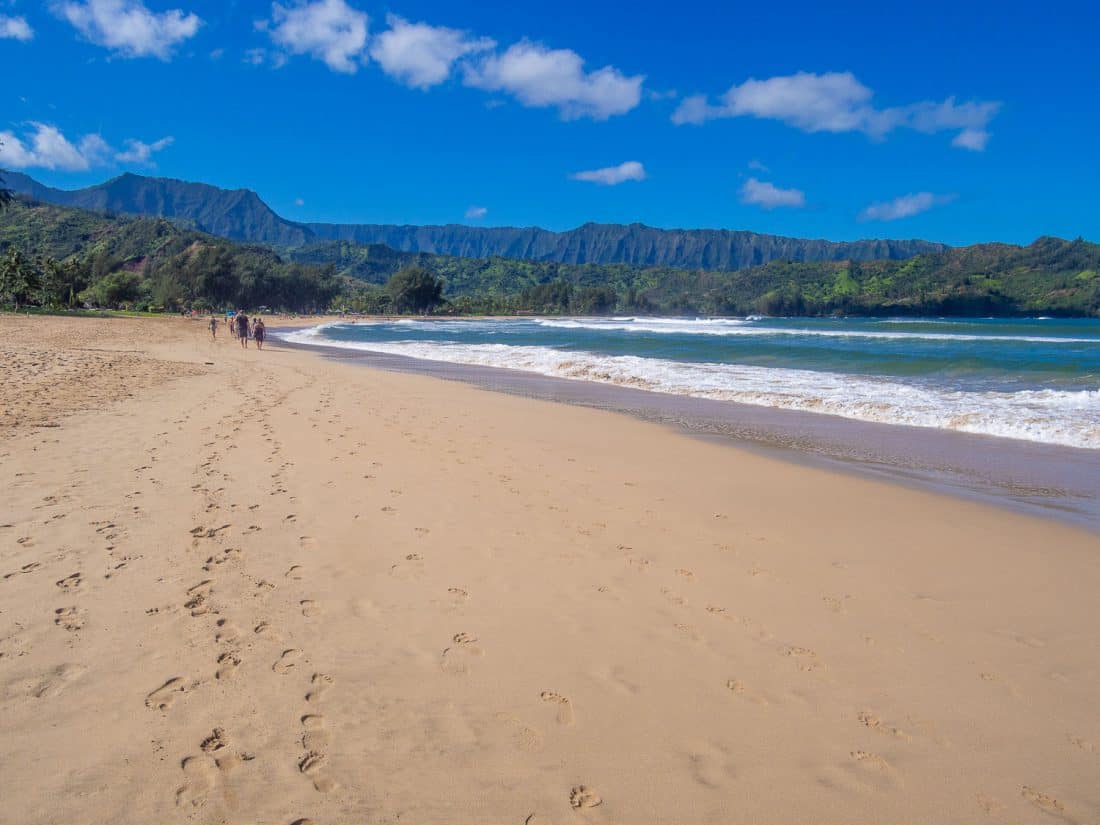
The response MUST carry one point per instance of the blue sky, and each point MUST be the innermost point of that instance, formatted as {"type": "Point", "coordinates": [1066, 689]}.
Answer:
{"type": "Point", "coordinates": [958, 122]}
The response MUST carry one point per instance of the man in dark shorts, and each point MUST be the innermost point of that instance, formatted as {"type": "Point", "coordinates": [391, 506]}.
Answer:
{"type": "Point", "coordinates": [258, 333]}
{"type": "Point", "coordinates": [242, 329]}
{"type": "Point", "coordinates": [213, 327]}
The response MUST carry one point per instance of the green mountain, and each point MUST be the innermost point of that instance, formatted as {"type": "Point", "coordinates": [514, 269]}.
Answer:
{"type": "Point", "coordinates": [239, 214]}
{"type": "Point", "coordinates": [174, 266]}
{"type": "Point", "coordinates": [242, 216]}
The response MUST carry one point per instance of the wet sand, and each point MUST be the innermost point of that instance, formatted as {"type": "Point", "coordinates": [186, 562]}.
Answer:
{"type": "Point", "coordinates": [1047, 480]}
{"type": "Point", "coordinates": [242, 587]}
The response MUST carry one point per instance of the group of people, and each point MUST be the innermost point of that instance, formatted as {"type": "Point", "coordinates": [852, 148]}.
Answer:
{"type": "Point", "coordinates": [241, 328]}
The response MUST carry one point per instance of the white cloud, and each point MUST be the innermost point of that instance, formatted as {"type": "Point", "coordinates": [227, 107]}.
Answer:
{"type": "Point", "coordinates": [476, 213]}
{"type": "Point", "coordinates": [758, 166]}
{"type": "Point", "coordinates": [613, 175]}
{"type": "Point", "coordinates": [542, 77]}
{"type": "Point", "coordinates": [15, 28]}
{"type": "Point", "coordinates": [47, 148]}
{"type": "Point", "coordinates": [420, 55]}
{"type": "Point", "coordinates": [329, 30]}
{"type": "Point", "coordinates": [838, 102]}
{"type": "Point", "coordinates": [128, 27]}
{"type": "Point", "coordinates": [972, 139]}
{"type": "Point", "coordinates": [138, 152]}
{"type": "Point", "coordinates": [769, 196]}
{"type": "Point", "coordinates": [904, 207]}
{"type": "Point", "coordinates": [299, 202]}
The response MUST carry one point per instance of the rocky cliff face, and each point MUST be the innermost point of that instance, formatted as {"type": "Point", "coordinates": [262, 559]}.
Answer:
{"type": "Point", "coordinates": [616, 243]}
{"type": "Point", "coordinates": [242, 216]}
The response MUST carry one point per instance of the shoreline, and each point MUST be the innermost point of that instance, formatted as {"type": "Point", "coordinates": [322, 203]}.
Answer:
{"type": "Point", "coordinates": [257, 588]}
{"type": "Point", "coordinates": [1045, 480]}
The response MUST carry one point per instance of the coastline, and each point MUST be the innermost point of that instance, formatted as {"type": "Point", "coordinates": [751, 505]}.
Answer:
{"type": "Point", "coordinates": [243, 587]}
{"type": "Point", "coordinates": [1049, 481]}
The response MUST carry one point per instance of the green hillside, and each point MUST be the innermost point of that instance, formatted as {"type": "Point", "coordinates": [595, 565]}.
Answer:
{"type": "Point", "coordinates": [154, 262]}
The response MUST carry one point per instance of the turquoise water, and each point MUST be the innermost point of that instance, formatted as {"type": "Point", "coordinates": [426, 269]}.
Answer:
{"type": "Point", "coordinates": [1030, 379]}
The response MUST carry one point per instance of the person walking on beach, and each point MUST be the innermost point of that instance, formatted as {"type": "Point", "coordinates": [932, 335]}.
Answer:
{"type": "Point", "coordinates": [213, 327]}
{"type": "Point", "coordinates": [242, 329]}
{"type": "Point", "coordinates": [232, 321]}
{"type": "Point", "coordinates": [258, 333]}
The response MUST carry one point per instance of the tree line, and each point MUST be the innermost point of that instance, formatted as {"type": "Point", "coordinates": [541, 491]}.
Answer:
{"type": "Point", "coordinates": [63, 257]}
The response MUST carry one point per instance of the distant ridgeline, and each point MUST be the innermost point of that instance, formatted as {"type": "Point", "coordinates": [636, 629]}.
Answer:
{"type": "Point", "coordinates": [241, 215]}
{"type": "Point", "coordinates": [171, 263]}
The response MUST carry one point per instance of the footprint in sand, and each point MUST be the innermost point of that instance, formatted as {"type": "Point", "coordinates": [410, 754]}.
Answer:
{"type": "Point", "coordinates": [199, 780]}
{"type": "Point", "coordinates": [71, 582]}
{"type": "Point", "coordinates": [689, 631]}
{"type": "Point", "coordinates": [314, 735]}
{"type": "Point", "coordinates": [48, 684]}
{"type": "Point", "coordinates": [295, 572]}
{"type": "Point", "coordinates": [166, 695]}
{"type": "Point", "coordinates": [227, 555]}
{"type": "Point", "coordinates": [30, 567]}
{"type": "Point", "coordinates": [1081, 742]}
{"type": "Point", "coordinates": [287, 661]}
{"type": "Point", "coordinates": [673, 596]}
{"type": "Point", "coordinates": [227, 631]}
{"type": "Point", "coordinates": [69, 618]}
{"type": "Point", "coordinates": [687, 574]}
{"type": "Point", "coordinates": [563, 705]}
{"type": "Point", "coordinates": [459, 657]}
{"type": "Point", "coordinates": [1044, 802]}
{"type": "Point", "coordinates": [873, 767]}
{"type": "Point", "coordinates": [869, 720]}
{"type": "Point", "coordinates": [584, 797]}
{"type": "Point", "coordinates": [319, 686]}
{"type": "Point", "coordinates": [227, 665]}
{"type": "Point", "coordinates": [200, 776]}
{"type": "Point", "coordinates": [197, 594]}
{"type": "Point", "coordinates": [311, 764]}
{"type": "Point", "coordinates": [805, 659]}
{"type": "Point", "coordinates": [458, 594]}
{"type": "Point", "coordinates": [309, 608]}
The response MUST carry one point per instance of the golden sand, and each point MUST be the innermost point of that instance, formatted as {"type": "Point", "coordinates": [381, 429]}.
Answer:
{"type": "Point", "coordinates": [242, 587]}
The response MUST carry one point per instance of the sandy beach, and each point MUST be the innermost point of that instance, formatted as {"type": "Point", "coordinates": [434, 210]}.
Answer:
{"type": "Point", "coordinates": [269, 588]}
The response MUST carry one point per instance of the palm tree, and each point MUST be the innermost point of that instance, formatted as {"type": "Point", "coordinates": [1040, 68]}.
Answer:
{"type": "Point", "coordinates": [18, 278]}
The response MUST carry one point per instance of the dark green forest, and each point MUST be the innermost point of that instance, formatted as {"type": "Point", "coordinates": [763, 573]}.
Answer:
{"type": "Point", "coordinates": [60, 256]}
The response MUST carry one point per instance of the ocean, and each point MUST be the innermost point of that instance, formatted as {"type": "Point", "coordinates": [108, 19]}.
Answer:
{"type": "Point", "coordinates": [1034, 380]}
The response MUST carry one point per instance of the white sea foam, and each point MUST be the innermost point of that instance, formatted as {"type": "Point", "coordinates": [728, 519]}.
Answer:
{"type": "Point", "coordinates": [724, 326]}
{"type": "Point", "coordinates": [1070, 418]}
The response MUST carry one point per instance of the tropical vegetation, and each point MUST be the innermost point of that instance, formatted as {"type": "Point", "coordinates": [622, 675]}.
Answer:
{"type": "Point", "coordinates": [65, 257]}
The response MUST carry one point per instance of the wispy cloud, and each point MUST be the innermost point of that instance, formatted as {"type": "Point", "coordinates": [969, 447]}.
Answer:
{"type": "Point", "coordinates": [128, 27]}
{"type": "Point", "coordinates": [538, 76]}
{"type": "Point", "coordinates": [328, 30]}
{"type": "Point", "coordinates": [769, 196]}
{"type": "Point", "coordinates": [476, 213]}
{"type": "Point", "coordinates": [972, 139]}
{"type": "Point", "coordinates": [838, 102]}
{"type": "Point", "coordinates": [613, 175]}
{"type": "Point", "coordinates": [15, 28]}
{"type": "Point", "coordinates": [46, 147]}
{"type": "Point", "coordinates": [299, 202]}
{"type": "Point", "coordinates": [422, 56]}
{"type": "Point", "coordinates": [903, 207]}
{"type": "Point", "coordinates": [142, 153]}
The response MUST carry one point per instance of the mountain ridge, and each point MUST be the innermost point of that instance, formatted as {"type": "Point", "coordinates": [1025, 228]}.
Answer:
{"type": "Point", "coordinates": [241, 215]}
